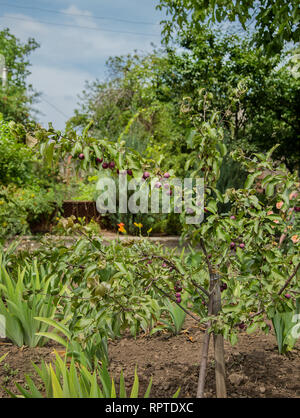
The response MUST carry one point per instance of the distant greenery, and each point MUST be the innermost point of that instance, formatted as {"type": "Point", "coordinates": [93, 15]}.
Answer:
{"type": "Point", "coordinates": [266, 111]}
{"type": "Point", "coordinates": [17, 98]}
{"type": "Point", "coordinates": [29, 192]}
{"type": "Point", "coordinates": [275, 22]}
{"type": "Point", "coordinates": [165, 85]}
{"type": "Point", "coordinates": [132, 86]}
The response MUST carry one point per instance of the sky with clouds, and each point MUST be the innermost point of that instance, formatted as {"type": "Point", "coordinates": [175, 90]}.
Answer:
{"type": "Point", "coordinates": [76, 38]}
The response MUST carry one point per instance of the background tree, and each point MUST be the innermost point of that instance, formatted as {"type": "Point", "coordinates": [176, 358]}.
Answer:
{"type": "Point", "coordinates": [265, 114]}
{"type": "Point", "coordinates": [165, 82]}
{"type": "Point", "coordinates": [17, 98]}
{"type": "Point", "coordinates": [136, 85]}
{"type": "Point", "coordinates": [276, 21]}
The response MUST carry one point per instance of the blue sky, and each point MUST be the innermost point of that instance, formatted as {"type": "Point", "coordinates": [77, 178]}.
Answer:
{"type": "Point", "coordinates": [69, 55]}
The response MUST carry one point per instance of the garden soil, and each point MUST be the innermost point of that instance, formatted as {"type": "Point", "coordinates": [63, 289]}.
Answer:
{"type": "Point", "coordinates": [254, 367]}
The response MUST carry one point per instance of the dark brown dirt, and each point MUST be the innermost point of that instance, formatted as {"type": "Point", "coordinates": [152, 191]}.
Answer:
{"type": "Point", "coordinates": [254, 367]}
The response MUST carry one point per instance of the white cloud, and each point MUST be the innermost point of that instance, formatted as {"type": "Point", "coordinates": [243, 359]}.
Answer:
{"type": "Point", "coordinates": [70, 43]}
{"type": "Point", "coordinates": [68, 56]}
{"type": "Point", "coordinates": [81, 17]}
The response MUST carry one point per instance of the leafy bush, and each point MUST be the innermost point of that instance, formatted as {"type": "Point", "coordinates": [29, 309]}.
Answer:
{"type": "Point", "coordinates": [20, 208]}
{"type": "Point", "coordinates": [17, 160]}
{"type": "Point", "coordinates": [28, 189]}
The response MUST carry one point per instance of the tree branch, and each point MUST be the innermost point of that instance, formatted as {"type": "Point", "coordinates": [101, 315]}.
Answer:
{"type": "Point", "coordinates": [289, 279]}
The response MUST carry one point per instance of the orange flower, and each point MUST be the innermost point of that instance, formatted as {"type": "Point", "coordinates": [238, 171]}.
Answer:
{"type": "Point", "coordinates": [270, 212]}
{"type": "Point", "coordinates": [121, 228]}
{"type": "Point", "coordinates": [295, 239]}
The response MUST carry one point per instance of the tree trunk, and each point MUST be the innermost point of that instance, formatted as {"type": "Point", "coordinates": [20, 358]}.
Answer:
{"type": "Point", "coordinates": [203, 365]}
{"type": "Point", "coordinates": [205, 347]}
{"type": "Point", "coordinates": [219, 345]}
{"type": "Point", "coordinates": [214, 306]}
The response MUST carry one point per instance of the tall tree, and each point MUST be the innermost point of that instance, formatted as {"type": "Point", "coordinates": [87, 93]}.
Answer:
{"type": "Point", "coordinates": [164, 82]}
{"type": "Point", "coordinates": [17, 97]}
{"type": "Point", "coordinates": [135, 85]}
{"type": "Point", "coordinates": [265, 114]}
{"type": "Point", "coordinates": [276, 21]}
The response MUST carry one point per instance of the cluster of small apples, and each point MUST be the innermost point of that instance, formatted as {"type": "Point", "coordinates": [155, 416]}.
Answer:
{"type": "Point", "coordinates": [111, 165]}
{"type": "Point", "coordinates": [146, 174]}
{"type": "Point", "coordinates": [98, 289]}
{"type": "Point", "coordinates": [161, 183]}
{"type": "Point", "coordinates": [233, 245]}
{"type": "Point", "coordinates": [105, 165]}
{"type": "Point", "coordinates": [98, 161]}
{"type": "Point", "coordinates": [178, 290]}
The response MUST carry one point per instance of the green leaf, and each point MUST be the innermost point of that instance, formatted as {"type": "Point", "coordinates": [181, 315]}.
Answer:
{"type": "Point", "coordinates": [113, 389]}
{"type": "Point", "coordinates": [54, 337]}
{"type": "Point", "coordinates": [231, 308]}
{"type": "Point", "coordinates": [58, 326]}
{"type": "Point", "coordinates": [122, 386]}
{"type": "Point", "coordinates": [223, 149]}
{"type": "Point", "coordinates": [270, 189]}
{"type": "Point", "coordinates": [271, 151]}
{"type": "Point", "coordinates": [135, 386]}
{"type": "Point", "coordinates": [251, 178]}
{"type": "Point", "coordinates": [252, 328]}
{"type": "Point", "coordinates": [221, 234]}
{"type": "Point", "coordinates": [233, 338]}
{"type": "Point", "coordinates": [86, 152]}
{"type": "Point", "coordinates": [57, 390]}
{"type": "Point", "coordinates": [212, 206]}
{"type": "Point", "coordinates": [176, 394]}
{"type": "Point", "coordinates": [147, 394]}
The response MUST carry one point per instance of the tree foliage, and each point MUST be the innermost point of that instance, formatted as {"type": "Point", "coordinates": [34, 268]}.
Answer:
{"type": "Point", "coordinates": [276, 21]}
{"type": "Point", "coordinates": [17, 98]}
{"type": "Point", "coordinates": [135, 86]}
{"type": "Point", "coordinates": [164, 82]}
{"type": "Point", "coordinates": [266, 111]}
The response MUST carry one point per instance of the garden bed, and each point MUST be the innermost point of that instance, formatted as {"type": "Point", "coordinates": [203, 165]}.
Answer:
{"type": "Point", "coordinates": [254, 367]}
{"type": "Point", "coordinates": [81, 209]}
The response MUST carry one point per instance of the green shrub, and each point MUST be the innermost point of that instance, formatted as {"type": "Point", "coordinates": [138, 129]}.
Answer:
{"type": "Point", "coordinates": [22, 207]}
{"type": "Point", "coordinates": [17, 160]}
{"type": "Point", "coordinates": [28, 189]}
